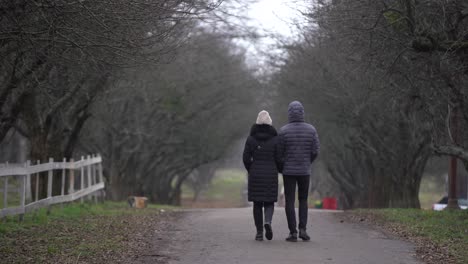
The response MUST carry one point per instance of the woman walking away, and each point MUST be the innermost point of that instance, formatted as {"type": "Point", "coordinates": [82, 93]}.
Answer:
{"type": "Point", "coordinates": [262, 163]}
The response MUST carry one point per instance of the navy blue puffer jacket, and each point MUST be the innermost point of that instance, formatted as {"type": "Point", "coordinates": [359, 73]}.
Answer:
{"type": "Point", "coordinates": [299, 143]}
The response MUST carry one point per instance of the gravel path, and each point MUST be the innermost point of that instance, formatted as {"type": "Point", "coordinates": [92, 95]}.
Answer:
{"type": "Point", "coordinates": [215, 236]}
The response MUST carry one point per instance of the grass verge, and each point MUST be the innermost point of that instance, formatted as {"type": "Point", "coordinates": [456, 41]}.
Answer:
{"type": "Point", "coordinates": [225, 190]}
{"type": "Point", "coordinates": [439, 235]}
{"type": "Point", "coordinates": [78, 233]}
{"type": "Point", "coordinates": [227, 186]}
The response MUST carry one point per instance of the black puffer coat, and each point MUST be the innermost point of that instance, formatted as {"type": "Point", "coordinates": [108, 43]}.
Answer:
{"type": "Point", "coordinates": [261, 160]}
{"type": "Point", "coordinates": [298, 143]}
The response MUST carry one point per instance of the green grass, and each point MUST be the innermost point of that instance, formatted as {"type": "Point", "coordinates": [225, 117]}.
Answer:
{"type": "Point", "coordinates": [85, 232]}
{"type": "Point", "coordinates": [445, 228]}
{"type": "Point", "coordinates": [72, 211]}
{"type": "Point", "coordinates": [430, 192]}
{"type": "Point", "coordinates": [227, 185]}
{"type": "Point", "coordinates": [187, 192]}
{"type": "Point", "coordinates": [226, 190]}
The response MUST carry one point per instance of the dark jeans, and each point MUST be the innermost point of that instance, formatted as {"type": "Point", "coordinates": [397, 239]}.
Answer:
{"type": "Point", "coordinates": [258, 214]}
{"type": "Point", "coordinates": [290, 198]}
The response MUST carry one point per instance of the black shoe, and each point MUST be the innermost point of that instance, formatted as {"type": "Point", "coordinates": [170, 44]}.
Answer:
{"type": "Point", "coordinates": [259, 236]}
{"type": "Point", "coordinates": [303, 235]}
{"type": "Point", "coordinates": [268, 232]}
{"type": "Point", "coordinates": [292, 237]}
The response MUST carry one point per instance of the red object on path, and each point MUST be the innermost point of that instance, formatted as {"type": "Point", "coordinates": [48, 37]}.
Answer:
{"type": "Point", "coordinates": [329, 203]}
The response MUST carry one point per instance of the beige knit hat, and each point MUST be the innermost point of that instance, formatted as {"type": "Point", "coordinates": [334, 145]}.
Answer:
{"type": "Point", "coordinates": [264, 118]}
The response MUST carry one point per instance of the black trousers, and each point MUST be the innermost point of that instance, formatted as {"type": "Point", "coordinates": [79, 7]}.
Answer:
{"type": "Point", "coordinates": [258, 214]}
{"type": "Point", "coordinates": [302, 183]}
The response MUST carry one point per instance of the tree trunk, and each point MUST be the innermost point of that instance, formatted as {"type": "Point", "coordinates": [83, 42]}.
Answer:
{"type": "Point", "coordinates": [196, 194]}
{"type": "Point", "coordinates": [38, 152]}
{"type": "Point", "coordinates": [116, 187]}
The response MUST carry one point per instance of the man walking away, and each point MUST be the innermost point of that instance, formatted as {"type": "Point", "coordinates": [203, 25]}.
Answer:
{"type": "Point", "coordinates": [299, 147]}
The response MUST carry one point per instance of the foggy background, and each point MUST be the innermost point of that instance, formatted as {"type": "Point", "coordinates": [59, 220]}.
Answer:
{"type": "Point", "coordinates": [167, 93]}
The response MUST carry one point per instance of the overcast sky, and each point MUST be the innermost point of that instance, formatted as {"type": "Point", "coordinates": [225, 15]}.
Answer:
{"type": "Point", "coordinates": [277, 15]}
{"type": "Point", "coordinates": [272, 16]}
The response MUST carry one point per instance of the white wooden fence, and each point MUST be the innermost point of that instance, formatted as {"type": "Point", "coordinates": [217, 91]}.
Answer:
{"type": "Point", "coordinates": [90, 171]}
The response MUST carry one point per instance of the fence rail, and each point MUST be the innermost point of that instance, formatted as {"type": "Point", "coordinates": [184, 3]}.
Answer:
{"type": "Point", "coordinates": [89, 181]}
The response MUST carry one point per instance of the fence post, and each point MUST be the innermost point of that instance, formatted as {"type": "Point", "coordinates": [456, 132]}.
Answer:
{"type": "Point", "coordinates": [82, 177]}
{"type": "Point", "coordinates": [28, 183]}
{"type": "Point", "coordinates": [38, 178]}
{"type": "Point", "coordinates": [101, 178]}
{"type": "Point", "coordinates": [23, 192]}
{"type": "Point", "coordinates": [62, 189]}
{"type": "Point", "coordinates": [88, 173]}
{"type": "Point", "coordinates": [93, 169]}
{"type": "Point", "coordinates": [5, 193]}
{"type": "Point", "coordinates": [49, 184]}
{"type": "Point", "coordinates": [71, 189]}
{"type": "Point", "coordinates": [36, 183]}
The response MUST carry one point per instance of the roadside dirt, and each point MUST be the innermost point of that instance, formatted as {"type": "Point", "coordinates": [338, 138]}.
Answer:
{"type": "Point", "coordinates": [127, 238]}
{"type": "Point", "coordinates": [425, 249]}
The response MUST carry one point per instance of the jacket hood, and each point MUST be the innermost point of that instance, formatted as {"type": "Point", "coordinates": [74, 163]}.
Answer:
{"type": "Point", "coordinates": [263, 132]}
{"type": "Point", "coordinates": [295, 112]}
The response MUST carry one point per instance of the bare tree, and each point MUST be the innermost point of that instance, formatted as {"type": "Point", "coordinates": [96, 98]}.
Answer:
{"type": "Point", "coordinates": [162, 122]}
{"type": "Point", "coordinates": [382, 78]}
{"type": "Point", "coordinates": [58, 56]}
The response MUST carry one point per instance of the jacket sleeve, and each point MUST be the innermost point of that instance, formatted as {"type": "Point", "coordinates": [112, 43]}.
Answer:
{"type": "Point", "coordinates": [279, 153]}
{"type": "Point", "coordinates": [247, 155]}
{"type": "Point", "coordinates": [315, 147]}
